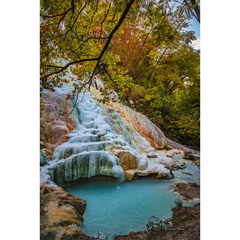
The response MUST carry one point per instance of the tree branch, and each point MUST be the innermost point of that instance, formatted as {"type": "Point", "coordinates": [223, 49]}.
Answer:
{"type": "Point", "coordinates": [110, 37]}
{"type": "Point", "coordinates": [48, 16]}
{"type": "Point", "coordinates": [108, 74]}
{"type": "Point", "coordinates": [67, 65]}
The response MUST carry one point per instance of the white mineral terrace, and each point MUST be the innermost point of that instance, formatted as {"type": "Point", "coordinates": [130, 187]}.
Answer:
{"type": "Point", "coordinates": [89, 149]}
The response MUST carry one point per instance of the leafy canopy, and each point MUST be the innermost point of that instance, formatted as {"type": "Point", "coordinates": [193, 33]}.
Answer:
{"type": "Point", "coordinates": [139, 47]}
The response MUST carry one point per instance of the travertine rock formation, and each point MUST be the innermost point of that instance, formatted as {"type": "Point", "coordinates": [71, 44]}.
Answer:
{"type": "Point", "coordinates": [141, 124]}
{"type": "Point", "coordinates": [94, 148]}
{"type": "Point", "coordinates": [103, 143]}
{"type": "Point", "coordinates": [54, 126]}
{"type": "Point", "coordinates": [58, 211]}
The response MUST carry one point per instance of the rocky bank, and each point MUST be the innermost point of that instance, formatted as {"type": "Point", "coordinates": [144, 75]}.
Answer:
{"type": "Point", "coordinates": [58, 211]}
{"type": "Point", "coordinates": [187, 191]}
{"type": "Point", "coordinates": [186, 226]}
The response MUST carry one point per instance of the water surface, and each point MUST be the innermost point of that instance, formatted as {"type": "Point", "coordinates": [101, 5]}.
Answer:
{"type": "Point", "coordinates": [114, 208]}
{"type": "Point", "coordinates": [119, 208]}
{"type": "Point", "coordinates": [191, 168]}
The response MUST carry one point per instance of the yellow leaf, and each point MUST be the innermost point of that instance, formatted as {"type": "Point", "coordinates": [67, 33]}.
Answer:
{"type": "Point", "coordinates": [134, 4]}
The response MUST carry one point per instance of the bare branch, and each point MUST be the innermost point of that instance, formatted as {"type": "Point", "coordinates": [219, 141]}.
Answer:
{"type": "Point", "coordinates": [104, 68]}
{"type": "Point", "coordinates": [67, 65]}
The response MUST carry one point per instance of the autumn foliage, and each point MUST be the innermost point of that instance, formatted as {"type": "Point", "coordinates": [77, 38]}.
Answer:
{"type": "Point", "coordinates": [140, 48]}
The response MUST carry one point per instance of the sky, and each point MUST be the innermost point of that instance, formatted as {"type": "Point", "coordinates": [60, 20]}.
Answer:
{"type": "Point", "coordinates": [195, 26]}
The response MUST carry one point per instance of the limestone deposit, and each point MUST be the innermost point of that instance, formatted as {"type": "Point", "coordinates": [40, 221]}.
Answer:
{"type": "Point", "coordinates": [55, 127]}
{"type": "Point", "coordinates": [102, 144]}
{"type": "Point", "coordinates": [142, 125]}
{"type": "Point", "coordinates": [58, 211]}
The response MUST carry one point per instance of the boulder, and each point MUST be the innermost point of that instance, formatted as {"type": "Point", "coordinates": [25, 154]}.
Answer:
{"type": "Point", "coordinates": [130, 160]}
{"type": "Point", "coordinates": [127, 159]}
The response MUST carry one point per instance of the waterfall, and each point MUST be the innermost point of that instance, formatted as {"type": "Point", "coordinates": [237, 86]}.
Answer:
{"type": "Point", "coordinates": [92, 148]}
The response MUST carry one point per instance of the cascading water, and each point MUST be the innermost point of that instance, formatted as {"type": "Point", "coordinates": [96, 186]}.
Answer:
{"type": "Point", "coordinates": [85, 155]}
{"type": "Point", "coordinates": [91, 150]}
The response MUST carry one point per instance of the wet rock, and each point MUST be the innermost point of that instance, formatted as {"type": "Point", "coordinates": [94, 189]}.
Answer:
{"type": "Point", "coordinates": [187, 173]}
{"type": "Point", "coordinates": [152, 156]}
{"type": "Point", "coordinates": [135, 140]}
{"type": "Point", "coordinates": [101, 145]}
{"type": "Point", "coordinates": [129, 174]}
{"type": "Point", "coordinates": [81, 165]}
{"type": "Point", "coordinates": [127, 159]}
{"type": "Point", "coordinates": [194, 158]}
{"type": "Point", "coordinates": [130, 160]}
{"type": "Point", "coordinates": [142, 144]}
{"type": "Point", "coordinates": [176, 166]}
